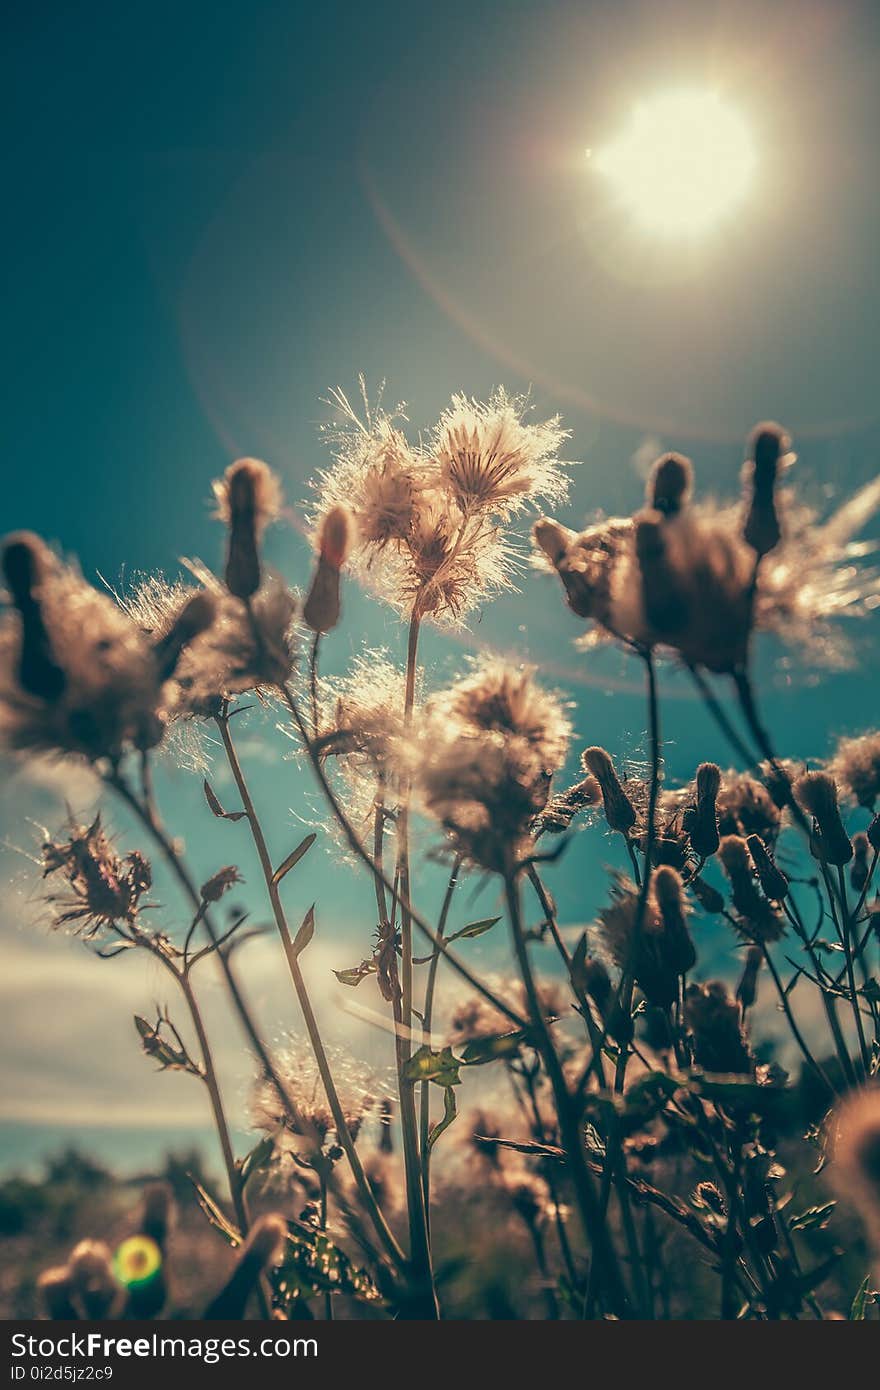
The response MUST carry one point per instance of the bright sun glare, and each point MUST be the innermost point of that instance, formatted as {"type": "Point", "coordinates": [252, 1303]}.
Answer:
{"type": "Point", "coordinates": [684, 160]}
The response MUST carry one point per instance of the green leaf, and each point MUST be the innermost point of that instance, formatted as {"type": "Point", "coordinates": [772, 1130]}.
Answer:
{"type": "Point", "coordinates": [216, 808]}
{"type": "Point", "coordinates": [440, 1067]}
{"type": "Point", "coordinates": [449, 1113]}
{"type": "Point", "coordinates": [479, 1051]}
{"type": "Point", "coordinates": [357, 973]}
{"type": "Point", "coordinates": [813, 1219]}
{"type": "Point", "coordinates": [293, 858]}
{"type": "Point", "coordinates": [305, 933]}
{"type": "Point", "coordinates": [313, 1264]}
{"type": "Point", "coordinates": [859, 1310]}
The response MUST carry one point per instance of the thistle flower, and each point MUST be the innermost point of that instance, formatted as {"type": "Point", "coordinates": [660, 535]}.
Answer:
{"type": "Point", "coordinates": [361, 727]}
{"type": "Point", "coordinates": [588, 563]}
{"type": "Point", "coordinates": [76, 674]}
{"type": "Point", "coordinates": [769, 454]}
{"type": "Point", "coordinates": [619, 810]}
{"type": "Point", "coordinates": [491, 462]}
{"type": "Point", "coordinates": [482, 758]}
{"type": "Point", "coordinates": [660, 954]}
{"type": "Point", "coordinates": [855, 767]}
{"type": "Point", "coordinates": [105, 889]}
{"type": "Point", "coordinates": [761, 919]}
{"type": "Point", "coordinates": [302, 1082]}
{"type": "Point", "coordinates": [561, 810]}
{"type": "Point", "coordinates": [771, 878]}
{"type": "Point", "coordinates": [714, 1021]}
{"type": "Point", "coordinates": [701, 819]}
{"type": "Point", "coordinates": [855, 1170]}
{"type": "Point", "coordinates": [218, 884]}
{"type": "Point", "coordinates": [677, 946]}
{"type": "Point", "coordinates": [746, 806]}
{"type": "Point", "coordinates": [816, 793]}
{"type": "Point", "coordinates": [335, 536]}
{"type": "Point", "coordinates": [248, 499]}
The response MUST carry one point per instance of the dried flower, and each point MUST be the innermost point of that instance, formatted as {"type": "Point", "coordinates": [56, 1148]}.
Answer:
{"type": "Point", "coordinates": [561, 810]}
{"type": "Point", "coordinates": [701, 819]}
{"type": "Point", "coordinates": [105, 888]}
{"type": "Point", "coordinates": [759, 917]}
{"type": "Point", "coordinates": [248, 499]}
{"type": "Point", "coordinates": [855, 767]}
{"type": "Point", "coordinates": [859, 871]}
{"type": "Point", "coordinates": [218, 884]}
{"type": "Point", "coordinates": [302, 1082]}
{"type": "Point", "coordinates": [491, 462]}
{"type": "Point", "coordinates": [714, 1020]}
{"type": "Point", "coordinates": [816, 793]}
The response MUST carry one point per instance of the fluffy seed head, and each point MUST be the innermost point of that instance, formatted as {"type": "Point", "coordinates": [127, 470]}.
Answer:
{"type": "Point", "coordinates": [855, 767]}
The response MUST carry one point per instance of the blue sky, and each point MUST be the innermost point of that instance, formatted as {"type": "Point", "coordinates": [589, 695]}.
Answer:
{"type": "Point", "coordinates": [217, 213]}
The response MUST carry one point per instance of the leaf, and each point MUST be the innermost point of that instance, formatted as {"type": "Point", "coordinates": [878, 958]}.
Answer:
{"type": "Point", "coordinates": [293, 858]}
{"type": "Point", "coordinates": [214, 1214]}
{"type": "Point", "coordinates": [479, 1051]}
{"type": "Point", "coordinates": [155, 1045]}
{"type": "Point", "coordinates": [449, 1113]}
{"type": "Point", "coordinates": [813, 1219]}
{"type": "Point", "coordinates": [313, 1264]}
{"type": "Point", "coordinates": [356, 973]}
{"type": "Point", "coordinates": [474, 929]}
{"type": "Point", "coordinates": [257, 1160]}
{"type": "Point", "coordinates": [525, 1146]}
{"type": "Point", "coordinates": [859, 1310]}
{"type": "Point", "coordinates": [216, 808]}
{"type": "Point", "coordinates": [305, 933]}
{"type": "Point", "coordinates": [440, 1067]}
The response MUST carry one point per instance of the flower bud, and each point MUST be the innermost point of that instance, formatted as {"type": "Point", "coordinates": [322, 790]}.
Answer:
{"type": "Point", "coordinates": [619, 811]}
{"type": "Point", "coordinates": [701, 819]}
{"type": "Point", "coordinates": [665, 608]}
{"type": "Point", "coordinates": [678, 948]}
{"type": "Point", "coordinates": [552, 538]}
{"type": "Point", "coordinates": [769, 450]}
{"type": "Point", "coordinates": [771, 878]}
{"type": "Point", "coordinates": [669, 484]}
{"type": "Point", "coordinates": [858, 872]}
{"type": "Point", "coordinates": [816, 793]}
{"type": "Point", "coordinates": [220, 883]}
{"type": "Point", "coordinates": [196, 615]}
{"type": "Point", "coordinates": [709, 898]}
{"type": "Point", "coordinates": [738, 865]}
{"type": "Point", "coordinates": [248, 500]}
{"type": "Point", "coordinates": [26, 564]}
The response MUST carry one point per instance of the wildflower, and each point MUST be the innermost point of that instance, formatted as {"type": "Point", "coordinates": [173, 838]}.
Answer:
{"type": "Point", "coordinates": [856, 1154]}
{"type": "Point", "coordinates": [746, 807]}
{"type": "Point", "coordinates": [855, 767]}
{"type": "Point", "coordinates": [677, 947]}
{"type": "Point", "coordinates": [816, 793]}
{"type": "Point", "coordinates": [769, 448]}
{"type": "Point", "coordinates": [218, 884]}
{"type": "Point", "coordinates": [759, 917]}
{"type": "Point", "coordinates": [491, 462]}
{"type": "Point", "coordinates": [105, 888]}
{"type": "Point", "coordinates": [483, 756]}
{"type": "Point", "coordinates": [771, 878]}
{"type": "Point", "coordinates": [619, 811]}
{"type": "Point", "coordinates": [248, 499]}
{"type": "Point", "coordinates": [76, 674]}
{"type": "Point", "coordinates": [701, 819]}
{"type": "Point", "coordinates": [747, 989]}
{"type": "Point", "coordinates": [335, 534]}
{"type": "Point", "coordinates": [361, 725]}
{"type": "Point", "coordinates": [302, 1082]}
{"type": "Point", "coordinates": [714, 1020]}
{"type": "Point", "coordinates": [588, 563]}
{"type": "Point", "coordinates": [658, 956]}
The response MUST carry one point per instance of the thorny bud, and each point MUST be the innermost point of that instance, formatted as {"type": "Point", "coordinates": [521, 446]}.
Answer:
{"type": "Point", "coordinates": [701, 819]}
{"type": "Point", "coordinates": [26, 561]}
{"type": "Point", "coordinates": [669, 484]}
{"type": "Point", "coordinates": [619, 810]}
{"type": "Point", "coordinates": [769, 447]}
{"type": "Point", "coordinates": [747, 989]}
{"type": "Point", "coordinates": [263, 1248]}
{"type": "Point", "coordinates": [770, 876]}
{"type": "Point", "coordinates": [661, 594]}
{"type": "Point", "coordinates": [816, 793]}
{"type": "Point", "coordinates": [678, 948]}
{"type": "Point", "coordinates": [195, 617]}
{"type": "Point", "coordinates": [858, 872]}
{"type": "Point", "coordinates": [248, 497]}
{"type": "Point", "coordinates": [220, 883]}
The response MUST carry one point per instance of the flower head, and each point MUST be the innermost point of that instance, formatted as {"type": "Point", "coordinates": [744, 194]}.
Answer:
{"type": "Point", "coordinates": [855, 767]}
{"type": "Point", "coordinates": [248, 499]}
{"type": "Point", "coordinates": [104, 889]}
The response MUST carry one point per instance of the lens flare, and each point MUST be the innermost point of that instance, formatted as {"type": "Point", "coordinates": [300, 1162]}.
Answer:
{"type": "Point", "coordinates": [684, 161]}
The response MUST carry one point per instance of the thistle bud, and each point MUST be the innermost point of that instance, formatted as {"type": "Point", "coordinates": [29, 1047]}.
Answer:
{"type": "Point", "coordinates": [858, 872]}
{"type": "Point", "coordinates": [747, 989]}
{"type": "Point", "coordinates": [26, 565]}
{"type": "Point", "coordinates": [196, 615]}
{"type": "Point", "coordinates": [740, 870]}
{"type": "Point", "coordinates": [709, 898]}
{"type": "Point", "coordinates": [248, 498]}
{"type": "Point", "coordinates": [220, 883]}
{"type": "Point", "coordinates": [771, 878]}
{"type": "Point", "coordinates": [701, 819]}
{"type": "Point", "coordinates": [335, 536]}
{"type": "Point", "coordinates": [769, 450]}
{"type": "Point", "coordinates": [816, 793]}
{"type": "Point", "coordinates": [553, 539]}
{"type": "Point", "coordinates": [263, 1248]}
{"type": "Point", "coordinates": [715, 1024]}
{"type": "Point", "coordinates": [665, 608]}
{"type": "Point", "coordinates": [678, 948]}
{"type": "Point", "coordinates": [669, 484]}
{"type": "Point", "coordinates": [619, 810]}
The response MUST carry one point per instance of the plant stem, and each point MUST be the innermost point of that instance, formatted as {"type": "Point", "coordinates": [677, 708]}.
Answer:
{"type": "Point", "coordinates": [343, 1133]}
{"type": "Point", "coordinates": [427, 1021]}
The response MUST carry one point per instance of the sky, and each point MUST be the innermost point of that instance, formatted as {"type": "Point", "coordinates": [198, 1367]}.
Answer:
{"type": "Point", "coordinates": [220, 212]}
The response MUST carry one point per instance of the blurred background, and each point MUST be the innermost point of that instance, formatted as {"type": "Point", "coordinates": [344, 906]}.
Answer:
{"type": "Point", "coordinates": [217, 213]}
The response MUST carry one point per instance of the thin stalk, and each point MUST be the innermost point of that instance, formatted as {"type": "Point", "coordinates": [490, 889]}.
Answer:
{"type": "Point", "coordinates": [343, 1133]}
{"type": "Point", "coordinates": [829, 1003]}
{"type": "Point", "coordinates": [427, 1021]}
{"type": "Point", "coordinates": [846, 942]}
{"type": "Point", "coordinates": [570, 1128]}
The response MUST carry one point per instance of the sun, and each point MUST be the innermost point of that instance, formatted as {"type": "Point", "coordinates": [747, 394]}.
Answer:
{"type": "Point", "coordinates": [684, 161]}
